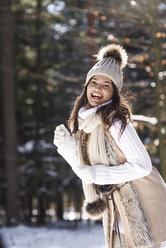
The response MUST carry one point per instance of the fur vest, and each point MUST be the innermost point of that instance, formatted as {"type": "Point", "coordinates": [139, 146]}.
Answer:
{"type": "Point", "coordinates": [141, 203]}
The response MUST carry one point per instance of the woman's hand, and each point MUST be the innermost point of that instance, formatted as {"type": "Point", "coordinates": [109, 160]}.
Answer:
{"type": "Point", "coordinates": [61, 136]}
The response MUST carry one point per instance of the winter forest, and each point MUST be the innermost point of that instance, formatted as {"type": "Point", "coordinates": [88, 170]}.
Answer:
{"type": "Point", "coordinates": [46, 49]}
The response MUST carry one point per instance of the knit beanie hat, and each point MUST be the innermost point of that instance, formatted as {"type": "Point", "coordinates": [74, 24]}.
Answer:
{"type": "Point", "coordinates": [111, 60]}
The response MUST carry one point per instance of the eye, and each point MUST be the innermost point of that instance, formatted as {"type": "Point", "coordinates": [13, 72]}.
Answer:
{"type": "Point", "coordinates": [93, 82]}
{"type": "Point", "coordinates": [106, 86]}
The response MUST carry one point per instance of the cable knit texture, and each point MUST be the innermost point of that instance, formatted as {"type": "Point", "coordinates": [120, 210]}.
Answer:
{"type": "Point", "coordinates": [138, 162]}
{"type": "Point", "coordinates": [96, 153]}
{"type": "Point", "coordinates": [150, 188]}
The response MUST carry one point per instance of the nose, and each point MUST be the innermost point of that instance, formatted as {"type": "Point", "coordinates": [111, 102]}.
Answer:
{"type": "Point", "coordinates": [98, 87]}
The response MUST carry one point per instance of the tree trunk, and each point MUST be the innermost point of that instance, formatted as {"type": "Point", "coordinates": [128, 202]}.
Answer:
{"type": "Point", "coordinates": [9, 113]}
{"type": "Point", "coordinates": [59, 208]}
{"type": "Point", "coordinates": [38, 70]}
{"type": "Point", "coordinates": [160, 103]}
{"type": "Point", "coordinates": [41, 208]}
{"type": "Point", "coordinates": [91, 31]}
{"type": "Point", "coordinates": [38, 111]}
{"type": "Point", "coordinates": [30, 207]}
{"type": "Point", "coordinates": [113, 5]}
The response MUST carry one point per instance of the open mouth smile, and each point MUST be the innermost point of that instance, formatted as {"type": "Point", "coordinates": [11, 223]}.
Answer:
{"type": "Point", "coordinates": [96, 96]}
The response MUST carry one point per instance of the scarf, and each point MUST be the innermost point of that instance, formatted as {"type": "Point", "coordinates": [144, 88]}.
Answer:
{"type": "Point", "coordinates": [96, 146]}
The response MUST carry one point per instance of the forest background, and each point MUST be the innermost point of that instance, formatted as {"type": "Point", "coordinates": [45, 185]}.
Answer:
{"type": "Point", "coordinates": [46, 49]}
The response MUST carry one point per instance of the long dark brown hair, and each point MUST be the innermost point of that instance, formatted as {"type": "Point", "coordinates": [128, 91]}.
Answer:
{"type": "Point", "coordinates": [119, 109]}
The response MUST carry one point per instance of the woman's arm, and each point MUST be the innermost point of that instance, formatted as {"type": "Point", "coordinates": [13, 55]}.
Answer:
{"type": "Point", "coordinates": [138, 161]}
{"type": "Point", "coordinates": [66, 145]}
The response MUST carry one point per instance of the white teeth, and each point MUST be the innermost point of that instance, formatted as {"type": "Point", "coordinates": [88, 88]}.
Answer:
{"type": "Point", "coordinates": [96, 95]}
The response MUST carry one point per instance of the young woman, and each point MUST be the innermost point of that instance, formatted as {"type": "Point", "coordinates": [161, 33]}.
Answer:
{"type": "Point", "coordinates": [119, 183]}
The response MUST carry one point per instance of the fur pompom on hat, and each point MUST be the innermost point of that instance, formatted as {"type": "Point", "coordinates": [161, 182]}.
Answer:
{"type": "Point", "coordinates": [114, 51]}
{"type": "Point", "coordinates": [111, 60]}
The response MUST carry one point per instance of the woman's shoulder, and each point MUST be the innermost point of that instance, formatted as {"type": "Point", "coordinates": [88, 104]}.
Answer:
{"type": "Point", "coordinates": [118, 123]}
{"type": "Point", "coordinates": [117, 127]}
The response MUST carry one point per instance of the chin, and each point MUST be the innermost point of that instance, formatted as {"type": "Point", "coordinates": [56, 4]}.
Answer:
{"type": "Point", "coordinates": [92, 105]}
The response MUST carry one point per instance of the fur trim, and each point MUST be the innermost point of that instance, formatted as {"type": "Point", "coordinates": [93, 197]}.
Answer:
{"type": "Point", "coordinates": [95, 209]}
{"type": "Point", "coordinates": [117, 52]}
{"type": "Point", "coordinates": [135, 215]}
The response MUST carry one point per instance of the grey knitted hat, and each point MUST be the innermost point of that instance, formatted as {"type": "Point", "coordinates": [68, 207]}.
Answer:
{"type": "Point", "coordinates": [111, 60]}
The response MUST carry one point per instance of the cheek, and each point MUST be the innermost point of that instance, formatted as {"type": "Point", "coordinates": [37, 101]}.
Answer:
{"type": "Point", "coordinates": [109, 93]}
{"type": "Point", "coordinates": [88, 90]}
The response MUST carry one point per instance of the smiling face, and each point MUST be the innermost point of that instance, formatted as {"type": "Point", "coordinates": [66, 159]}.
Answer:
{"type": "Point", "coordinates": [99, 90]}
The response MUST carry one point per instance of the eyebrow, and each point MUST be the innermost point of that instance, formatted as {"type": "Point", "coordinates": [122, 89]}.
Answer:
{"type": "Point", "coordinates": [104, 81]}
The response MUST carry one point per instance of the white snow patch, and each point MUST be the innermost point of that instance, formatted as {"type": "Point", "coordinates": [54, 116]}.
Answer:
{"type": "Point", "coordinates": [56, 7]}
{"type": "Point", "coordinates": [151, 120]}
{"type": "Point", "coordinates": [29, 146]}
{"type": "Point", "coordinates": [49, 237]}
{"type": "Point", "coordinates": [161, 6]}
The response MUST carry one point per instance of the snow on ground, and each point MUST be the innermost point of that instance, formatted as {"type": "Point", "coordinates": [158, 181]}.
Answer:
{"type": "Point", "coordinates": [51, 237]}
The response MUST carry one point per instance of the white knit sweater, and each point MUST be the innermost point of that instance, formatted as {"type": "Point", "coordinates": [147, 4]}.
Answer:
{"type": "Point", "coordinates": [138, 161]}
